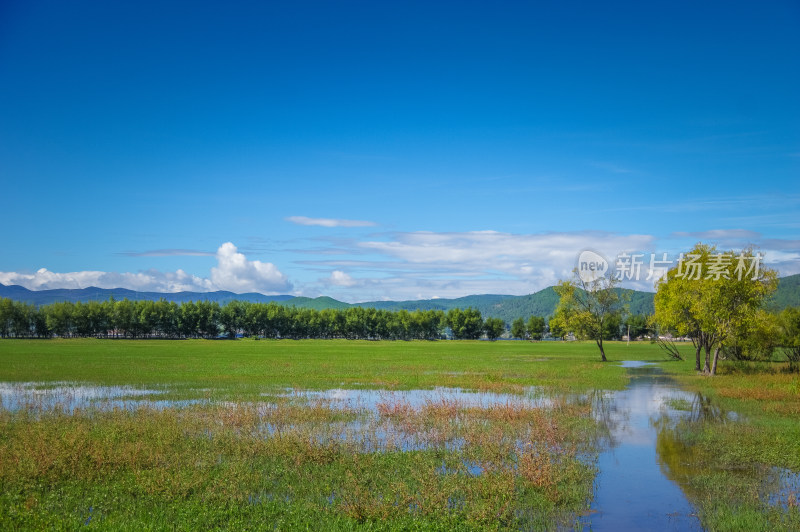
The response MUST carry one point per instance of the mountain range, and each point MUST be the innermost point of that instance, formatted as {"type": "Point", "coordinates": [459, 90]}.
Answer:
{"type": "Point", "coordinates": [505, 307]}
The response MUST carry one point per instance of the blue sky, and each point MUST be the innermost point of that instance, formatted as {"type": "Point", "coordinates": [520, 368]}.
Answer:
{"type": "Point", "coordinates": [390, 150]}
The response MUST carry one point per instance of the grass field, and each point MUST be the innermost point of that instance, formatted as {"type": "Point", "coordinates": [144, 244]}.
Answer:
{"type": "Point", "coordinates": [243, 367]}
{"type": "Point", "coordinates": [232, 462]}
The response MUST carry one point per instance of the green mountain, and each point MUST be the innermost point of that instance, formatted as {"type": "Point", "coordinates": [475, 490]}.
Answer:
{"type": "Point", "coordinates": [507, 308]}
{"type": "Point", "coordinates": [317, 303]}
{"type": "Point", "coordinates": [787, 294]}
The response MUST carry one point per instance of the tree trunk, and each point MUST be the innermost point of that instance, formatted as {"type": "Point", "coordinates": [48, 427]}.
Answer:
{"type": "Point", "coordinates": [716, 358]}
{"type": "Point", "coordinates": [706, 368]}
{"type": "Point", "coordinates": [602, 353]}
{"type": "Point", "coordinates": [698, 348]}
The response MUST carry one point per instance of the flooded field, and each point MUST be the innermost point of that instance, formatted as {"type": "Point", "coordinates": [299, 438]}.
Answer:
{"type": "Point", "coordinates": [601, 460]}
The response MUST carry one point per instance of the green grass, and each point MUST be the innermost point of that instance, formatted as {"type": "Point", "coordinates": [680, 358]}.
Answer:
{"type": "Point", "coordinates": [248, 367]}
{"type": "Point", "coordinates": [727, 469]}
{"type": "Point", "coordinates": [213, 466]}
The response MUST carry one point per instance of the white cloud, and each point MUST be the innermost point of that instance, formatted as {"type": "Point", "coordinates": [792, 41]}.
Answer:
{"type": "Point", "coordinates": [149, 280]}
{"type": "Point", "coordinates": [340, 278]}
{"type": "Point", "coordinates": [233, 272]}
{"type": "Point", "coordinates": [329, 222]}
{"type": "Point", "coordinates": [511, 253]}
{"type": "Point", "coordinates": [423, 265]}
{"type": "Point", "coordinates": [237, 274]}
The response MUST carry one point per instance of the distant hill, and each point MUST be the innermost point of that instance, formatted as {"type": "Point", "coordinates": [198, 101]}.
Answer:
{"type": "Point", "coordinates": [787, 293]}
{"type": "Point", "coordinates": [507, 308]}
{"type": "Point", "coordinates": [317, 303]}
{"type": "Point", "coordinates": [44, 297]}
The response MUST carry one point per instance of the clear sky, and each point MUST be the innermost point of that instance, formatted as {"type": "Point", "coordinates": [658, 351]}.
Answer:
{"type": "Point", "coordinates": [390, 150]}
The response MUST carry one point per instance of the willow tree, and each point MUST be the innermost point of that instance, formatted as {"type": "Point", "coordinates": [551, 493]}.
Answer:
{"type": "Point", "coordinates": [711, 296]}
{"type": "Point", "coordinates": [590, 308]}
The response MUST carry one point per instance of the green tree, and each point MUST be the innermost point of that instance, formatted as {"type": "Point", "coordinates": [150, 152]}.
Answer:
{"type": "Point", "coordinates": [789, 335]}
{"type": "Point", "coordinates": [518, 328]}
{"type": "Point", "coordinates": [22, 319]}
{"type": "Point", "coordinates": [713, 297]}
{"type": "Point", "coordinates": [676, 306]}
{"type": "Point", "coordinates": [557, 325]}
{"type": "Point", "coordinates": [535, 327]}
{"type": "Point", "coordinates": [232, 317]}
{"type": "Point", "coordinates": [756, 339]}
{"type": "Point", "coordinates": [591, 309]}
{"type": "Point", "coordinates": [6, 314]}
{"type": "Point", "coordinates": [494, 328]}
{"type": "Point", "coordinates": [635, 325]}
{"type": "Point", "coordinates": [59, 318]}
{"type": "Point", "coordinates": [189, 320]}
{"type": "Point", "coordinates": [125, 317]}
{"type": "Point", "coordinates": [208, 318]}
{"type": "Point", "coordinates": [465, 324]}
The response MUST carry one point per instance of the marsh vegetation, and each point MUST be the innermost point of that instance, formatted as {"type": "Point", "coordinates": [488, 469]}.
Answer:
{"type": "Point", "coordinates": [336, 434]}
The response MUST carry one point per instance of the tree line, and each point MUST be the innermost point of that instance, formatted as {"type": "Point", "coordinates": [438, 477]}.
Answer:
{"type": "Point", "coordinates": [205, 319]}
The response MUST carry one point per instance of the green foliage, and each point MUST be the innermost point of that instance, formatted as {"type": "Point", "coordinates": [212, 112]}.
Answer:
{"type": "Point", "coordinates": [206, 319]}
{"type": "Point", "coordinates": [465, 324]}
{"type": "Point", "coordinates": [494, 328]}
{"type": "Point", "coordinates": [591, 310]}
{"type": "Point", "coordinates": [535, 327]}
{"type": "Point", "coordinates": [755, 339]}
{"type": "Point", "coordinates": [788, 330]}
{"type": "Point", "coordinates": [637, 324]}
{"type": "Point", "coordinates": [518, 329]}
{"type": "Point", "coordinates": [710, 300]}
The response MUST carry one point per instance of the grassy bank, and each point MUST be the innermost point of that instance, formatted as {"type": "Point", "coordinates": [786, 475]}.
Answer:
{"type": "Point", "coordinates": [741, 474]}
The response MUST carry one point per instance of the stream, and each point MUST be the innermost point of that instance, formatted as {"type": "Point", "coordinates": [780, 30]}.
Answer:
{"type": "Point", "coordinates": [632, 491]}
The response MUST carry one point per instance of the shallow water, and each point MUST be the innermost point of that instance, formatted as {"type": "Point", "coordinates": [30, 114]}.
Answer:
{"type": "Point", "coordinates": [637, 486]}
{"type": "Point", "coordinates": [70, 396]}
{"type": "Point", "coordinates": [369, 399]}
{"type": "Point", "coordinates": [632, 492]}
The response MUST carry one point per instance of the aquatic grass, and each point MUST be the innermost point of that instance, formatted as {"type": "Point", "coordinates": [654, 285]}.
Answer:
{"type": "Point", "coordinates": [728, 469]}
{"type": "Point", "coordinates": [112, 467]}
{"type": "Point", "coordinates": [678, 403]}
{"type": "Point", "coordinates": [258, 451]}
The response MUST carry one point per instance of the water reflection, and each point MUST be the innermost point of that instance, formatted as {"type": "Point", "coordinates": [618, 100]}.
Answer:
{"type": "Point", "coordinates": [685, 463]}
{"type": "Point", "coordinates": [70, 396]}
{"type": "Point", "coordinates": [632, 492]}
{"type": "Point", "coordinates": [370, 399]}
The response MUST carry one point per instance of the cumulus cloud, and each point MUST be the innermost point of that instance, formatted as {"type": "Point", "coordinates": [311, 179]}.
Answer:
{"type": "Point", "coordinates": [340, 278]}
{"type": "Point", "coordinates": [237, 274]}
{"type": "Point", "coordinates": [329, 222]}
{"type": "Point", "coordinates": [233, 272]}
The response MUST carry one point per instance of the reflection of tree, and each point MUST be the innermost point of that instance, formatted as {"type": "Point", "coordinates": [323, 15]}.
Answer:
{"type": "Point", "coordinates": [607, 414]}
{"type": "Point", "coordinates": [702, 473]}
{"type": "Point", "coordinates": [704, 410]}
{"type": "Point", "coordinates": [679, 461]}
